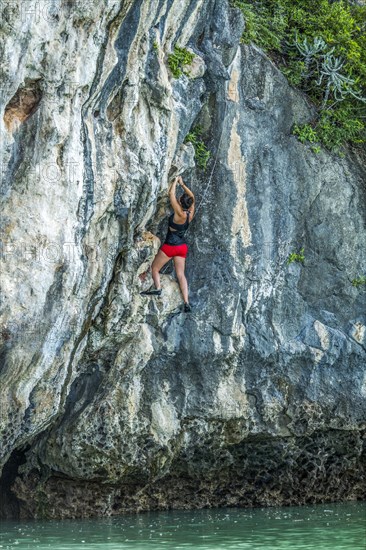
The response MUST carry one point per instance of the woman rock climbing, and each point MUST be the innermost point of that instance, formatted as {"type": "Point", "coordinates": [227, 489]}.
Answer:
{"type": "Point", "coordinates": [175, 245]}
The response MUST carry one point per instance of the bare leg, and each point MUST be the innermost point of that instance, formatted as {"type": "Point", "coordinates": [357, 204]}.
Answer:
{"type": "Point", "coordinates": [179, 264]}
{"type": "Point", "coordinates": [159, 261]}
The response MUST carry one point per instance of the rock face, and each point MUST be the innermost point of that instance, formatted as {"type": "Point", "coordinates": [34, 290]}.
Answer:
{"type": "Point", "coordinates": [111, 401]}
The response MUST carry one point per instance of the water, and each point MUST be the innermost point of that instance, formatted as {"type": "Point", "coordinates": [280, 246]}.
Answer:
{"type": "Point", "coordinates": [320, 527]}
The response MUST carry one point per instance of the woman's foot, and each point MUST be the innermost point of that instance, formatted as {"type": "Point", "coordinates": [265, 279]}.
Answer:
{"type": "Point", "coordinates": [151, 292]}
{"type": "Point", "coordinates": [187, 307]}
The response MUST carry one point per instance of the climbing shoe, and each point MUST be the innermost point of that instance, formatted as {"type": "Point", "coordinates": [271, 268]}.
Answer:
{"type": "Point", "coordinates": [151, 292]}
{"type": "Point", "coordinates": [187, 307]}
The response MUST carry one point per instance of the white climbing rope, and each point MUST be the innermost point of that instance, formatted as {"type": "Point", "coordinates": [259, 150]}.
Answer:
{"type": "Point", "coordinates": [214, 165]}
{"type": "Point", "coordinates": [162, 271]}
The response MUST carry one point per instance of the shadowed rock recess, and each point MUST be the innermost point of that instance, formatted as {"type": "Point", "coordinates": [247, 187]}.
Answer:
{"type": "Point", "coordinates": [113, 402]}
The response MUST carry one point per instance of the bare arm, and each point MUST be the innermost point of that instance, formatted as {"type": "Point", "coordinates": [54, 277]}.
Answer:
{"type": "Point", "coordinates": [190, 194]}
{"type": "Point", "coordinates": [173, 199]}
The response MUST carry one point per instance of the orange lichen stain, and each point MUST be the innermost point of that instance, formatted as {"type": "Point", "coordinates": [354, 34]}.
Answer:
{"type": "Point", "coordinates": [232, 91]}
{"type": "Point", "coordinates": [23, 104]}
{"type": "Point", "coordinates": [7, 230]}
{"type": "Point", "coordinates": [147, 239]}
{"type": "Point", "coordinates": [359, 332]}
{"type": "Point", "coordinates": [143, 276]}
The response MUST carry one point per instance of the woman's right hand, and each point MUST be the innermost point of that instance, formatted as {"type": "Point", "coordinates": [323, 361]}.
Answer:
{"type": "Point", "coordinates": [172, 186]}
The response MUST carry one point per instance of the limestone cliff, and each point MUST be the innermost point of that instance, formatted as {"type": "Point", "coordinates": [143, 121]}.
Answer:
{"type": "Point", "coordinates": [111, 401]}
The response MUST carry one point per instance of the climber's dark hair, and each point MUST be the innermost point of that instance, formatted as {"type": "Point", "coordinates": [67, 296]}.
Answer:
{"type": "Point", "coordinates": [186, 201]}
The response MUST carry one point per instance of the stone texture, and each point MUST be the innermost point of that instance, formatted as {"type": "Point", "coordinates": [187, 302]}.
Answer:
{"type": "Point", "coordinates": [111, 401]}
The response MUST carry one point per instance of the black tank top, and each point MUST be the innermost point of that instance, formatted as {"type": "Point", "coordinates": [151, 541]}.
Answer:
{"type": "Point", "coordinates": [177, 237]}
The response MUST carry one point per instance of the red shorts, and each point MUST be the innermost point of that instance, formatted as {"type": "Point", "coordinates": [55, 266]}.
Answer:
{"type": "Point", "coordinates": [172, 250]}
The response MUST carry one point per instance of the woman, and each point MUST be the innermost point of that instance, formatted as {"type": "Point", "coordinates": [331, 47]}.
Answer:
{"type": "Point", "coordinates": [175, 245]}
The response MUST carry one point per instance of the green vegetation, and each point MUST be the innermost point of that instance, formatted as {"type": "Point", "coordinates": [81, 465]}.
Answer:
{"type": "Point", "coordinates": [320, 45]}
{"type": "Point", "coordinates": [202, 154]}
{"type": "Point", "coordinates": [305, 133]}
{"type": "Point", "coordinates": [360, 281]}
{"type": "Point", "coordinates": [296, 257]}
{"type": "Point", "coordinates": [178, 59]}
{"type": "Point", "coordinates": [155, 46]}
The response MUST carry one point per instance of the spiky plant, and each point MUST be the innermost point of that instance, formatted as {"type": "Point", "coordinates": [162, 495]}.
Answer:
{"type": "Point", "coordinates": [337, 84]}
{"type": "Point", "coordinates": [309, 55]}
{"type": "Point", "coordinates": [308, 51]}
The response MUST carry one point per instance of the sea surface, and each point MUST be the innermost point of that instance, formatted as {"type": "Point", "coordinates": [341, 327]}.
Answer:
{"type": "Point", "coordinates": [318, 527]}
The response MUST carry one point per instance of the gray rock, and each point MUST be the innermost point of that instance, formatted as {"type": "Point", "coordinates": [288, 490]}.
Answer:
{"type": "Point", "coordinates": [112, 402]}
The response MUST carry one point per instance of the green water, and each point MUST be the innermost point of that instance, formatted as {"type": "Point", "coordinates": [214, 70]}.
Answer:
{"type": "Point", "coordinates": [320, 527]}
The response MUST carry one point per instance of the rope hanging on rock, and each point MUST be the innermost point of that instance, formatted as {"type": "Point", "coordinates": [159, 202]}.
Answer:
{"type": "Point", "coordinates": [208, 183]}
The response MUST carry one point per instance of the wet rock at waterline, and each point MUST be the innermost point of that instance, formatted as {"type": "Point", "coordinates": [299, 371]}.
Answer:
{"type": "Point", "coordinates": [111, 401]}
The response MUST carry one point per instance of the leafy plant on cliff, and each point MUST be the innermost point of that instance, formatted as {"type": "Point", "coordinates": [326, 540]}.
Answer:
{"type": "Point", "coordinates": [296, 257]}
{"type": "Point", "coordinates": [320, 45]}
{"type": "Point", "coordinates": [305, 133]}
{"type": "Point", "coordinates": [178, 59]}
{"type": "Point", "coordinates": [265, 23]}
{"type": "Point", "coordinates": [202, 154]}
{"type": "Point", "coordinates": [360, 281]}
